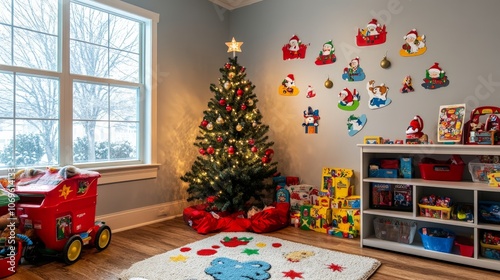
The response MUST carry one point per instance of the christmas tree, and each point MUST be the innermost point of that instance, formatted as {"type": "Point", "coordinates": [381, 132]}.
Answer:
{"type": "Point", "coordinates": [235, 153]}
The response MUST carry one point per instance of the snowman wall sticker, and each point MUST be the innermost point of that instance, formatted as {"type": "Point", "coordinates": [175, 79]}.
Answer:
{"type": "Point", "coordinates": [311, 118]}
{"type": "Point", "coordinates": [353, 72]}
{"type": "Point", "coordinates": [378, 95]}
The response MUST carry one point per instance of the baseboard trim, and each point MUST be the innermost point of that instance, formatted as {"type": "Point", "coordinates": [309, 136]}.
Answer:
{"type": "Point", "coordinates": [137, 217]}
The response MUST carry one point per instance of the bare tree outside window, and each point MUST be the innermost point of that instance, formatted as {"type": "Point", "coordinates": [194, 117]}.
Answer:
{"type": "Point", "coordinates": [104, 83]}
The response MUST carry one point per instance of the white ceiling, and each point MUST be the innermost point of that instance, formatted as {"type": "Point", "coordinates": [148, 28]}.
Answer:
{"type": "Point", "coordinates": [234, 4]}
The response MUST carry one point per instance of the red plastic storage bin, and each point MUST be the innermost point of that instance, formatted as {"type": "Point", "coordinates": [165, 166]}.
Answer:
{"type": "Point", "coordinates": [441, 171]}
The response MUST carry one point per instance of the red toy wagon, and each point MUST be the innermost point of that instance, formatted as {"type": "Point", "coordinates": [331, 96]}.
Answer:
{"type": "Point", "coordinates": [60, 206]}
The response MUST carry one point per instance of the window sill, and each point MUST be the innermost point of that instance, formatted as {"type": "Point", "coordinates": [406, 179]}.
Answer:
{"type": "Point", "coordinates": [116, 174]}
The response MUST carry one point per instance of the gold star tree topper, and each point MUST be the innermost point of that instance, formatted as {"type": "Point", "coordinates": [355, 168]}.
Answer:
{"type": "Point", "coordinates": [234, 46]}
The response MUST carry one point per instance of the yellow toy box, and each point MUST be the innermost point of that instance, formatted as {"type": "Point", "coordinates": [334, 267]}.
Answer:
{"type": "Point", "coordinates": [337, 182]}
{"type": "Point", "coordinates": [322, 215]}
{"type": "Point", "coordinates": [346, 223]}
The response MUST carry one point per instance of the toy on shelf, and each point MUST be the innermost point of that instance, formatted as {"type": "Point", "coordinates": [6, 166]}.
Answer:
{"type": "Point", "coordinates": [483, 126]}
{"type": "Point", "coordinates": [451, 123]}
{"type": "Point", "coordinates": [414, 132]}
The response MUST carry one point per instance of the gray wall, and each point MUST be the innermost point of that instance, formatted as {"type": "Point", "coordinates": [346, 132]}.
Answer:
{"type": "Point", "coordinates": [462, 38]}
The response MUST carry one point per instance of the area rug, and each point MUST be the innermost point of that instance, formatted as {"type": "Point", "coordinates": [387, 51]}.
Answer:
{"type": "Point", "coordinates": [251, 256]}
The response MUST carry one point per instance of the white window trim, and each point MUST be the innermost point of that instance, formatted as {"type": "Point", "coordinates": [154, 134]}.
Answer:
{"type": "Point", "coordinates": [148, 170]}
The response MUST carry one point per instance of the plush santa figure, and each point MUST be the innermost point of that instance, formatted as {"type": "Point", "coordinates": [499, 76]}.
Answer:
{"type": "Point", "coordinates": [412, 44]}
{"type": "Point", "coordinates": [415, 128]}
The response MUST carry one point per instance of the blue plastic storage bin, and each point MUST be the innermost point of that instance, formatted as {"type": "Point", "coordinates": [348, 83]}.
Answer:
{"type": "Point", "coordinates": [438, 239]}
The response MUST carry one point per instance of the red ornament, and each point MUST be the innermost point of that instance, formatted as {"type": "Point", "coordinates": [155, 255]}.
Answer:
{"type": "Point", "coordinates": [211, 199]}
{"type": "Point", "coordinates": [202, 151]}
{"type": "Point", "coordinates": [210, 150]}
{"type": "Point", "coordinates": [265, 159]}
{"type": "Point", "coordinates": [243, 107]}
{"type": "Point", "coordinates": [251, 142]}
{"type": "Point", "coordinates": [229, 108]}
{"type": "Point", "coordinates": [230, 150]}
{"type": "Point", "coordinates": [228, 65]}
{"type": "Point", "coordinates": [204, 123]}
{"type": "Point", "coordinates": [222, 102]}
{"type": "Point", "coordinates": [242, 69]}
{"type": "Point", "coordinates": [239, 92]}
{"type": "Point", "coordinates": [219, 139]}
{"type": "Point", "coordinates": [269, 153]}
{"type": "Point", "coordinates": [254, 149]}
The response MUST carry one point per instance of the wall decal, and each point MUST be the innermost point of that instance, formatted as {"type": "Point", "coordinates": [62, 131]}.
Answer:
{"type": "Point", "coordinates": [355, 124]}
{"type": "Point", "coordinates": [435, 77]}
{"type": "Point", "coordinates": [295, 49]}
{"type": "Point", "coordinates": [414, 45]}
{"type": "Point", "coordinates": [327, 54]}
{"type": "Point", "coordinates": [311, 118]}
{"type": "Point", "coordinates": [348, 100]}
{"type": "Point", "coordinates": [378, 95]}
{"type": "Point", "coordinates": [288, 87]}
{"type": "Point", "coordinates": [373, 34]}
{"type": "Point", "coordinates": [353, 72]}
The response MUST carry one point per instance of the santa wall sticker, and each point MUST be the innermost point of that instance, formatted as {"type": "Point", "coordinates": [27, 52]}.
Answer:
{"type": "Point", "coordinates": [348, 99]}
{"type": "Point", "coordinates": [295, 49]}
{"type": "Point", "coordinates": [353, 72]}
{"type": "Point", "coordinates": [355, 124]}
{"type": "Point", "coordinates": [435, 77]}
{"type": "Point", "coordinates": [378, 95]}
{"type": "Point", "coordinates": [311, 118]}
{"type": "Point", "coordinates": [373, 34]}
{"type": "Point", "coordinates": [288, 87]}
{"type": "Point", "coordinates": [414, 45]}
{"type": "Point", "coordinates": [327, 54]}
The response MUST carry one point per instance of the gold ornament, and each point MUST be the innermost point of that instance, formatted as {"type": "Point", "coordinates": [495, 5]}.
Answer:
{"type": "Point", "coordinates": [231, 75]}
{"type": "Point", "coordinates": [210, 126]}
{"type": "Point", "coordinates": [239, 127]}
{"type": "Point", "coordinates": [385, 63]}
{"type": "Point", "coordinates": [227, 85]}
{"type": "Point", "coordinates": [219, 120]}
{"type": "Point", "coordinates": [328, 83]}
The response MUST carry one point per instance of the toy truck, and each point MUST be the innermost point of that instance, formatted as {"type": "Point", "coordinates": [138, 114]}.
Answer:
{"type": "Point", "coordinates": [60, 206]}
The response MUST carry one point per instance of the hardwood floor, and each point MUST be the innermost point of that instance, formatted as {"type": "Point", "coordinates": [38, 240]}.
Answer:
{"type": "Point", "coordinates": [131, 246]}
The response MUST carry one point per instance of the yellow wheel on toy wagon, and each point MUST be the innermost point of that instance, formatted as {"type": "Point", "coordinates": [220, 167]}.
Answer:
{"type": "Point", "coordinates": [102, 238]}
{"type": "Point", "coordinates": [72, 249]}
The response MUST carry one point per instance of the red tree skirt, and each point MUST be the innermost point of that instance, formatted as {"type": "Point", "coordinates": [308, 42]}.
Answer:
{"type": "Point", "coordinates": [268, 220]}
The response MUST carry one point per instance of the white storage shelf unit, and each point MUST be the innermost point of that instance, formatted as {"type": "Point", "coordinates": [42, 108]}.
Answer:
{"type": "Point", "coordinates": [463, 191]}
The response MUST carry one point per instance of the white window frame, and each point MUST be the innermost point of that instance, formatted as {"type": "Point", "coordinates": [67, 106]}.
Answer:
{"type": "Point", "coordinates": [113, 172]}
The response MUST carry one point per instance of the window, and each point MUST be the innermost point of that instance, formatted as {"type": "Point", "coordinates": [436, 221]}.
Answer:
{"type": "Point", "coordinates": [77, 83]}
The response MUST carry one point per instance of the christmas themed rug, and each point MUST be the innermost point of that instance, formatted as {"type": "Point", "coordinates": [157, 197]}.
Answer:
{"type": "Point", "coordinates": [245, 255]}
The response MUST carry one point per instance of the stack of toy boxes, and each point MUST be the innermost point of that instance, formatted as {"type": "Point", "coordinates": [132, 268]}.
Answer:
{"type": "Point", "coordinates": [302, 199]}
{"type": "Point", "coordinates": [345, 206]}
